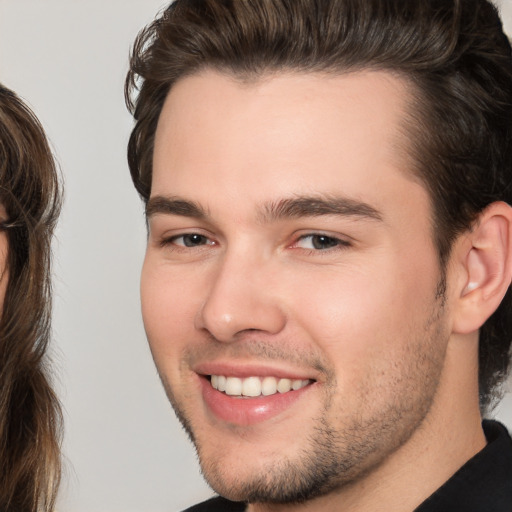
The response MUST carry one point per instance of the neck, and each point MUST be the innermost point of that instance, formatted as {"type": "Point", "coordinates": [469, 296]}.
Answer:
{"type": "Point", "coordinates": [448, 437]}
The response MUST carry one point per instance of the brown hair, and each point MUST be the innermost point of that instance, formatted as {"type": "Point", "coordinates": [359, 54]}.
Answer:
{"type": "Point", "coordinates": [30, 414]}
{"type": "Point", "coordinates": [453, 53]}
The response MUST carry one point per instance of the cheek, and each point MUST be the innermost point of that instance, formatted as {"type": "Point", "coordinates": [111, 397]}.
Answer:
{"type": "Point", "coordinates": [377, 336]}
{"type": "Point", "coordinates": [169, 304]}
{"type": "Point", "coordinates": [365, 314]}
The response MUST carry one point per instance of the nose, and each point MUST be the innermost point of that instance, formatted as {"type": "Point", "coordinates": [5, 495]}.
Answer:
{"type": "Point", "coordinates": [240, 298]}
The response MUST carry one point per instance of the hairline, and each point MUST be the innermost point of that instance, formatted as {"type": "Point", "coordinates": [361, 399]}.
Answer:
{"type": "Point", "coordinates": [405, 141]}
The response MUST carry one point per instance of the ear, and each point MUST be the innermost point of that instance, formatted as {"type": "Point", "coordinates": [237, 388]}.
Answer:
{"type": "Point", "coordinates": [484, 261]}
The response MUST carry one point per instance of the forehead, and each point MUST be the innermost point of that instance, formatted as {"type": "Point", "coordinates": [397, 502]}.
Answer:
{"type": "Point", "coordinates": [283, 134]}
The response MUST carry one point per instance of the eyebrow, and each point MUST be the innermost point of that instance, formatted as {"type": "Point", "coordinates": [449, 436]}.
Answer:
{"type": "Point", "coordinates": [313, 206]}
{"type": "Point", "coordinates": [290, 208]}
{"type": "Point", "coordinates": [174, 206]}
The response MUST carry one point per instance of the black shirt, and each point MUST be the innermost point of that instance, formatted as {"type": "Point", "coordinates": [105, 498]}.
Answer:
{"type": "Point", "coordinates": [483, 484]}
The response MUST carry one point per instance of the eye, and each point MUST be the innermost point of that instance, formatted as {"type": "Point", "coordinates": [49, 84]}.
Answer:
{"type": "Point", "coordinates": [319, 242]}
{"type": "Point", "coordinates": [189, 240]}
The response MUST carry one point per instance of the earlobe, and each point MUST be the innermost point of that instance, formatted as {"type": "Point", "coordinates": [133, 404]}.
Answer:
{"type": "Point", "coordinates": [487, 268]}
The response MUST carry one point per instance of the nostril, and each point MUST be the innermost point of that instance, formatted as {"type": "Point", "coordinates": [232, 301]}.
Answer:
{"type": "Point", "coordinates": [232, 308]}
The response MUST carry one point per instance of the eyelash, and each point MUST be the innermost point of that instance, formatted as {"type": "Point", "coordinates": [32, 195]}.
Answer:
{"type": "Point", "coordinates": [172, 241]}
{"type": "Point", "coordinates": [337, 243]}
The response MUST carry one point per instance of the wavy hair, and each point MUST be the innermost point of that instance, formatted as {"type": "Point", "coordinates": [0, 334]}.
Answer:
{"type": "Point", "coordinates": [453, 53]}
{"type": "Point", "coordinates": [30, 413]}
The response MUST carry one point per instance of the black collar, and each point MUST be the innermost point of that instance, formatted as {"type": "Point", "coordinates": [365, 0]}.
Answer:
{"type": "Point", "coordinates": [484, 483]}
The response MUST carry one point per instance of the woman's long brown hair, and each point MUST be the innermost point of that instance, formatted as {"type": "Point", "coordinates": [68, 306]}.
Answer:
{"type": "Point", "coordinates": [30, 414]}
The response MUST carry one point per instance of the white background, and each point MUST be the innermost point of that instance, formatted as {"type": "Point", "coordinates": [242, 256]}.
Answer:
{"type": "Point", "coordinates": [125, 452]}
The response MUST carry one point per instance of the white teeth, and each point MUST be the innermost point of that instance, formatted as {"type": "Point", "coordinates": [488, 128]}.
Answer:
{"type": "Point", "coordinates": [251, 387]}
{"type": "Point", "coordinates": [269, 386]}
{"type": "Point", "coordinates": [233, 386]}
{"type": "Point", "coordinates": [297, 384]}
{"type": "Point", "coordinates": [255, 386]}
{"type": "Point", "coordinates": [284, 385]}
{"type": "Point", "coordinates": [221, 383]}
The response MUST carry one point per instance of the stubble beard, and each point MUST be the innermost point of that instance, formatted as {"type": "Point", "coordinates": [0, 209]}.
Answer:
{"type": "Point", "coordinates": [334, 458]}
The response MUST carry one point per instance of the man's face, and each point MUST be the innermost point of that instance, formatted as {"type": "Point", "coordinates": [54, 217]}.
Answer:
{"type": "Point", "coordinates": [290, 248]}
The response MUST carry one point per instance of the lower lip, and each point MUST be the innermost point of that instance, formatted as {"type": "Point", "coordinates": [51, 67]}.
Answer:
{"type": "Point", "coordinates": [248, 411]}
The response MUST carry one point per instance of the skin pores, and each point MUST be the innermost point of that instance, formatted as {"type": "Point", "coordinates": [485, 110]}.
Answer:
{"type": "Point", "coordinates": [288, 241]}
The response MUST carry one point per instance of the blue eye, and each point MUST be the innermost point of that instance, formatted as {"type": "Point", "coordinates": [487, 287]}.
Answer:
{"type": "Point", "coordinates": [319, 242]}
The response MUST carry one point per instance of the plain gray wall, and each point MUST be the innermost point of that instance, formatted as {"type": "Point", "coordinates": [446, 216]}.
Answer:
{"type": "Point", "coordinates": [125, 451]}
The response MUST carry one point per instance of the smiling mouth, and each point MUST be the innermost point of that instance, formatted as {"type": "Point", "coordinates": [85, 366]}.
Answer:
{"type": "Point", "coordinates": [256, 386]}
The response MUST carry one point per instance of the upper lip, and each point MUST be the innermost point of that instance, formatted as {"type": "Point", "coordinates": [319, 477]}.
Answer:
{"type": "Point", "coordinates": [244, 370]}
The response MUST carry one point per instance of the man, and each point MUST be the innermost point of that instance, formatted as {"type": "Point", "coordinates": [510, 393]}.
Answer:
{"type": "Point", "coordinates": [326, 283]}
